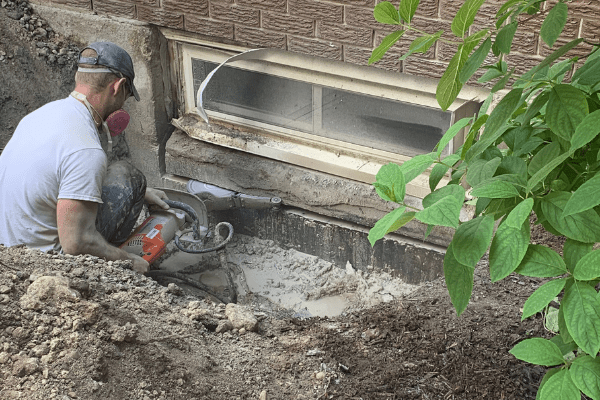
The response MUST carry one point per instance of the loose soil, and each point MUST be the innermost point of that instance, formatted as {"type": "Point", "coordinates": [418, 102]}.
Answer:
{"type": "Point", "coordinates": [83, 328]}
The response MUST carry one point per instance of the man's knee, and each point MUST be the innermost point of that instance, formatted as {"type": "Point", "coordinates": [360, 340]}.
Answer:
{"type": "Point", "coordinates": [122, 173]}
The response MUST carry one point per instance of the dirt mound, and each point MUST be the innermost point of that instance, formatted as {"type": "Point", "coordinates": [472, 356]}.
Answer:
{"type": "Point", "coordinates": [80, 327]}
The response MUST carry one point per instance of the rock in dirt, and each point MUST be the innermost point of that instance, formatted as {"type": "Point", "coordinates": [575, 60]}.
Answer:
{"type": "Point", "coordinates": [26, 366]}
{"type": "Point", "coordinates": [241, 317]}
{"type": "Point", "coordinates": [224, 326]}
{"type": "Point", "coordinates": [48, 288]}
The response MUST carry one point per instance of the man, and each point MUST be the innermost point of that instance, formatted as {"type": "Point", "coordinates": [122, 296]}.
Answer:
{"type": "Point", "coordinates": [56, 191]}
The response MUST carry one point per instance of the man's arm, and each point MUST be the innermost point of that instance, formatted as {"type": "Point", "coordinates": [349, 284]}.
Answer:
{"type": "Point", "coordinates": [77, 233]}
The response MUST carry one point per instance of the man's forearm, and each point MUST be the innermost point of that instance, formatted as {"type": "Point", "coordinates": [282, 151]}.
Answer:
{"type": "Point", "coordinates": [94, 244]}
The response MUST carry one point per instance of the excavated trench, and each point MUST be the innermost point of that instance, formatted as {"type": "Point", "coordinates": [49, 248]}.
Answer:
{"type": "Point", "coordinates": [278, 281]}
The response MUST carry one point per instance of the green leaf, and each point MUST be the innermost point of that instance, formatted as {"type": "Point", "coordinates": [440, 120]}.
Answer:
{"type": "Point", "coordinates": [475, 61]}
{"type": "Point", "coordinates": [505, 37]}
{"type": "Point", "coordinates": [542, 297]}
{"type": "Point", "coordinates": [416, 166]}
{"type": "Point", "coordinates": [566, 108]}
{"type": "Point", "coordinates": [588, 267]}
{"type": "Point", "coordinates": [390, 222]}
{"type": "Point", "coordinates": [390, 183]}
{"type": "Point", "coordinates": [456, 191]}
{"type": "Point", "coordinates": [422, 44]}
{"type": "Point", "coordinates": [560, 386]}
{"type": "Point", "coordinates": [459, 280]}
{"type": "Point", "coordinates": [465, 16]}
{"type": "Point", "coordinates": [519, 214]}
{"type": "Point", "coordinates": [450, 133]}
{"type": "Point", "coordinates": [491, 74]}
{"type": "Point", "coordinates": [473, 132]}
{"type": "Point", "coordinates": [495, 189]}
{"type": "Point", "coordinates": [535, 107]}
{"type": "Point", "coordinates": [562, 325]}
{"type": "Point", "coordinates": [587, 129]}
{"type": "Point", "coordinates": [583, 227]}
{"type": "Point", "coordinates": [505, 7]}
{"type": "Point", "coordinates": [541, 159]}
{"type": "Point", "coordinates": [501, 84]}
{"type": "Point", "coordinates": [449, 85]}
{"type": "Point", "coordinates": [407, 9]}
{"type": "Point", "coordinates": [573, 251]}
{"type": "Point", "coordinates": [439, 170]}
{"type": "Point", "coordinates": [554, 23]}
{"type": "Point", "coordinates": [548, 375]}
{"type": "Point", "coordinates": [541, 262]}
{"type": "Point", "coordinates": [561, 51]}
{"type": "Point", "coordinates": [546, 169]}
{"type": "Point", "coordinates": [472, 239]}
{"type": "Point", "coordinates": [585, 372]}
{"type": "Point", "coordinates": [584, 198]}
{"type": "Point", "coordinates": [385, 45]}
{"type": "Point", "coordinates": [496, 122]}
{"type": "Point", "coordinates": [538, 351]}
{"type": "Point", "coordinates": [565, 347]}
{"type": "Point", "coordinates": [482, 170]}
{"type": "Point", "coordinates": [386, 13]}
{"type": "Point", "coordinates": [582, 315]}
{"type": "Point", "coordinates": [589, 73]}
{"type": "Point", "coordinates": [445, 212]}
{"type": "Point", "coordinates": [508, 249]}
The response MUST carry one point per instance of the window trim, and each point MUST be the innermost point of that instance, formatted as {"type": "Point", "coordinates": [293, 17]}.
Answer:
{"type": "Point", "coordinates": [308, 150]}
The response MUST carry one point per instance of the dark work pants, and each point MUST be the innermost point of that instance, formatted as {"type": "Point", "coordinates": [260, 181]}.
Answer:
{"type": "Point", "coordinates": [123, 193]}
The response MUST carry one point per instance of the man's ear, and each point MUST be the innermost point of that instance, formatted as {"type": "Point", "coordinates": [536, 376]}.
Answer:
{"type": "Point", "coordinates": [117, 85]}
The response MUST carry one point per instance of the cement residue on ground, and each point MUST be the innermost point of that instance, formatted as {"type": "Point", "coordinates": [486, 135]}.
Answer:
{"type": "Point", "coordinates": [291, 280]}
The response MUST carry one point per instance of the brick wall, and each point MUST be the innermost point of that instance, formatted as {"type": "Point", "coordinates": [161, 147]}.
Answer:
{"type": "Point", "coordinates": [339, 29]}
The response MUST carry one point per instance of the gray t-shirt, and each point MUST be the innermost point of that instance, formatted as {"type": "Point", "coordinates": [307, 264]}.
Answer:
{"type": "Point", "coordinates": [55, 153]}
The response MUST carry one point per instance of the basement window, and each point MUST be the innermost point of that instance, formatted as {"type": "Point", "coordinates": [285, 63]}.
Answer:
{"type": "Point", "coordinates": [342, 119]}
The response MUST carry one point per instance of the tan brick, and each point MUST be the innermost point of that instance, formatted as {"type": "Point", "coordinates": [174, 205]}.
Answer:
{"type": "Point", "coordinates": [424, 67]}
{"type": "Point", "coordinates": [580, 8]}
{"type": "Point", "coordinates": [240, 15]}
{"type": "Point", "coordinates": [428, 8]}
{"type": "Point", "coordinates": [363, 3]}
{"type": "Point", "coordinates": [346, 34]}
{"type": "Point", "coordinates": [486, 15]}
{"type": "Point", "coordinates": [259, 37]}
{"type": "Point", "coordinates": [86, 4]}
{"type": "Point", "coordinates": [445, 51]}
{"type": "Point", "coordinates": [332, 13]}
{"type": "Point", "coordinates": [525, 42]}
{"type": "Point", "coordinates": [431, 26]}
{"type": "Point", "coordinates": [271, 5]}
{"type": "Point", "coordinates": [117, 8]}
{"type": "Point", "coordinates": [362, 17]}
{"type": "Point", "coordinates": [288, 24]}
{"type": "Point", "coordinates": [208, 27]}
{"type": "Point", "coordinates": [591, 30]}
{"type": "Point", "coordinates": [317, 48]}
{"type": "Point", "coordinates": [522, 63]}
{"type": "Point", "coordinates": [360, 56]}
{"type": "Point", "coordinates": [160, 17]}
{"type": "Point", "coordinates": [186, 7]}
{"type": "Point", "coordinates": [580, 51]}
{"type": "Point", "coordinates": [402, 45]}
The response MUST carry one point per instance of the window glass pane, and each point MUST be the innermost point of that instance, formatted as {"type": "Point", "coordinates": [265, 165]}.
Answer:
{"type": "Point", "coordinates": [380, 123]}
{"type": "Point", "coordinates": [256, 96]}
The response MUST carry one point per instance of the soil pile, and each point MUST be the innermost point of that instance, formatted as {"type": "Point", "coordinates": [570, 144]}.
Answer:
{"type": "Point", "coordinates": [83, 328]}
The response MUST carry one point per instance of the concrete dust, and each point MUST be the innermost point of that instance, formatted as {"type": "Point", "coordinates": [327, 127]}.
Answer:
{"type": "Point", "coordinates": [287, 279]}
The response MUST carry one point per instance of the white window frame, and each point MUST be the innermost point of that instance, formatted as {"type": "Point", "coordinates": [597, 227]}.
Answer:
{"type": "Point", "coordinates": [331, 156]}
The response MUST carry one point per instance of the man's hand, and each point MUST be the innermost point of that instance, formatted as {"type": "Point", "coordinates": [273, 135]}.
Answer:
{"type": "Point", "coordinates": [155, 196]}
{"type": "Point", "coordinates": [139, 264]}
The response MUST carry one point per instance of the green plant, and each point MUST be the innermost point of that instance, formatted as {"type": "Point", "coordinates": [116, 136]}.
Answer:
{"type": "Point", "coordinates": [538, 150]}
